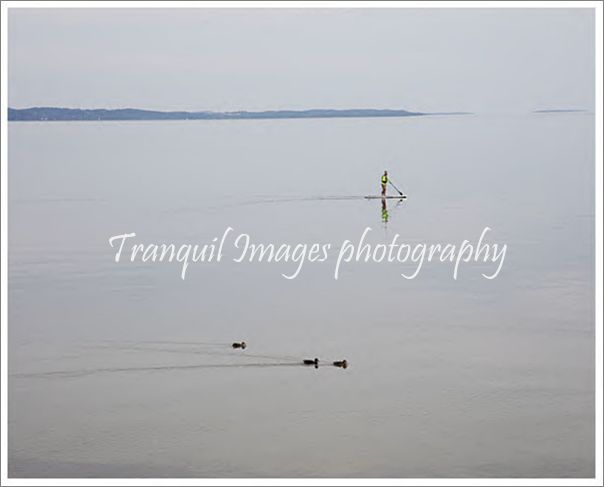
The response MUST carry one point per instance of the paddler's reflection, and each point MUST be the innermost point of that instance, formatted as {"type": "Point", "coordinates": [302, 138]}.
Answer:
{"type": "Point", "coordinates": [384, 211]}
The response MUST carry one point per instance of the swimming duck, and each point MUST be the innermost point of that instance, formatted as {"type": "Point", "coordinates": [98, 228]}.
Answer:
{"type": "Point", "coordinates": [309, 361]}
{"type": "Point", "coordinates": [341, 363]}
{"type": "Point", "coordinates": [241, 345]}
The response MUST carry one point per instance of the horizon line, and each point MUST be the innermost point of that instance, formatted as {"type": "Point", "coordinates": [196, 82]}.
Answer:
{"type": "Point", "coordinates": [258, 110]}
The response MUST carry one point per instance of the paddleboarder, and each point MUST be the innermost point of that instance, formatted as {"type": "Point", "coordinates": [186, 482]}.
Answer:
{"type": "Point", "coordinates": [384, 182]}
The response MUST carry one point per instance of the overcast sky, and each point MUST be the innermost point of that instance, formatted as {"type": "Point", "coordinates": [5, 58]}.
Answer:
{"type": "Point", "coordinates": [479, 60]}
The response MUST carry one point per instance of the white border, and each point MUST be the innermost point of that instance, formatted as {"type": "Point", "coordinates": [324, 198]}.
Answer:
{"type": "Point", "coordinates": [597, 481]}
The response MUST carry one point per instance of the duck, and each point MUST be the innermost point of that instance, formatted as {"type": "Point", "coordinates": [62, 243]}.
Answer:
{"type": "Point", "coordinates": [310, 361]}
{"type": "Point", "coordinates": [241, 345]}
{"type": "Point", "coordinates": [341, 363]}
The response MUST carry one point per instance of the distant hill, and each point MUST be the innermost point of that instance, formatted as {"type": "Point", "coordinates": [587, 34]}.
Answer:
{"type": "Point", "coordinates": [67, 114]}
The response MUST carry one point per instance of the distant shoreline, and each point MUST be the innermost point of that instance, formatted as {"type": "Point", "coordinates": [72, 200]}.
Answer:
{"type": "Point", "coordinates": [50, 114]}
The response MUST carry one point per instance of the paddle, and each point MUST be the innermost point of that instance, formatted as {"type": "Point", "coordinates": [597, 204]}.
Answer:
{"type": "Point", "coordinates": [399, 191]}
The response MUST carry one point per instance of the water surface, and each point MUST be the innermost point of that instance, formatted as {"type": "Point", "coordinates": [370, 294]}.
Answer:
{"type": "Point", "coordinates": [126, 370]}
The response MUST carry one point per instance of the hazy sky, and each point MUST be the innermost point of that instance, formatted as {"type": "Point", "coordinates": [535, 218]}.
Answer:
{"type": "Point", "coordinates": [480, 60]}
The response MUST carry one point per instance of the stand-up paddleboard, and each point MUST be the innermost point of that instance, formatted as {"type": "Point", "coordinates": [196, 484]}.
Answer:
{"type": "Point", "coordinates": [400, 197]}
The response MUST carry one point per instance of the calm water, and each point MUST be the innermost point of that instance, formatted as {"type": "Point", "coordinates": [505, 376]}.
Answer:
{"type": "Point", "coordinates": [127, 370]}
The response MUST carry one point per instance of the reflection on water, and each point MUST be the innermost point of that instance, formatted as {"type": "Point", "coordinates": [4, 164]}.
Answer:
{"type": "Point", "coordinates": [385, 213]}
{"type": "Point", "coordinates": [125, 369]}
{"type": "Point", "coordinates": [384, 210]}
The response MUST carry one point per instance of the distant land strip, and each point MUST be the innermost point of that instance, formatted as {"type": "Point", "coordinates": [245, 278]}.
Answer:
{"type": "Point", "coordinates": [76, 114]}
